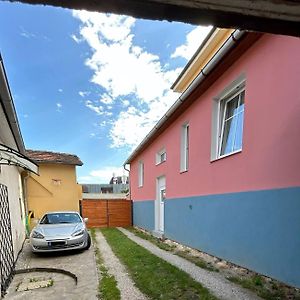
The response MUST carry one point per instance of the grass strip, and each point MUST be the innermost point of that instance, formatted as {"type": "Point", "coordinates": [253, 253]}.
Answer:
{"type": "Point", "coordinates": [152, 275]}
{"type": "Point", "coordinates": [107, 286]}
{"type": "Point", "coordinates": [198, 261]}
{"type": "Point", "coordinates": [257, 284]}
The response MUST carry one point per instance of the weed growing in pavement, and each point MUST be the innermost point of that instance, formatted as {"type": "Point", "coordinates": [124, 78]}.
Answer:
{"type": "Point", "coordinates": [50, 283]}
{"type": "Point", "coordinates": [107, 287]}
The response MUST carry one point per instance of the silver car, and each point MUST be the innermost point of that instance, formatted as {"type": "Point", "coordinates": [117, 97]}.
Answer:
{"type": "Point", "coordinates": [58, 231]}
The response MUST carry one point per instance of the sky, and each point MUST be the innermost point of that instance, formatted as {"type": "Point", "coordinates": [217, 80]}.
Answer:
{"type": "Point", "coordinates": [91, 84]}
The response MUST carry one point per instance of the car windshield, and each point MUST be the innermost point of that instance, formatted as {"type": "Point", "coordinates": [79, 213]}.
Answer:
{"type": "Point", "coordinates": [60, 218]}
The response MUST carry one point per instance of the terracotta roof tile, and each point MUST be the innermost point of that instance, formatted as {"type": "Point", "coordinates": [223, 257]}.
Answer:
{"type": "Point", "coordinates": [53, 157]}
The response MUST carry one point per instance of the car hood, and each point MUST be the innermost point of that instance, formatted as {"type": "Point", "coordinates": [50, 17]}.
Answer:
{"type": "Point", "coordinates": [58, 230]}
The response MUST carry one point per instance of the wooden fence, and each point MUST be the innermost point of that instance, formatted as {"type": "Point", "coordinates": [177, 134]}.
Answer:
{"type": "Point", "coordinates": [107, 213]}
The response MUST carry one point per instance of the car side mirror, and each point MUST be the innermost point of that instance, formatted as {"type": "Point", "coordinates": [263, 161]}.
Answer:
{"type": "Point", "coordinates": [86, 220]}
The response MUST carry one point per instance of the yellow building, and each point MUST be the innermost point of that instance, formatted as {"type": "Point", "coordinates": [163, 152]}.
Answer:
{"type": "Point", "coordinates": [56, 187]}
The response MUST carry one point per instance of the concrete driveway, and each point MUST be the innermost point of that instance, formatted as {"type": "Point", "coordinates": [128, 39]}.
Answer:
{"type": "Point", "coordinates": [54, 285]}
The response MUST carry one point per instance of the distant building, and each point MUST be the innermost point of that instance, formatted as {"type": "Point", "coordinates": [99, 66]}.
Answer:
{"type": "Point", "coordinates": [56, 188]}
{"type": "Point", "coordinates": [117, 185]}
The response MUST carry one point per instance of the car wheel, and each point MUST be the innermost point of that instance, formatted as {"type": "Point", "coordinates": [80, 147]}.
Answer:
{"type": "Point", "coordinates": [88, 243]}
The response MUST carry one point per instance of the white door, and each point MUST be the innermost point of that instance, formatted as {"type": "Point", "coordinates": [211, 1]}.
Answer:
{"type": "Point", "coordinates": [161, 196]}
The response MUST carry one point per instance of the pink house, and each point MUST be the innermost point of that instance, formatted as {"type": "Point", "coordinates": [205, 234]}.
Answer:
{"type": "Point", "coordinates": [220, 172]}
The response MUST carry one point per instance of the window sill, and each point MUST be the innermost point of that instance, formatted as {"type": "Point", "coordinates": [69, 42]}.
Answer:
{"type": "Point", "coordinates": [183, 171]}
{"type": "Point", "coordinates": [226, 155]}
{"type": "Point", "coordinates": [157, 164]}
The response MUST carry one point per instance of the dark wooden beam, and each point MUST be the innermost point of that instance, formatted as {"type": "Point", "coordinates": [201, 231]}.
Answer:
{"type": "Point", "coordinates": [273, 16]}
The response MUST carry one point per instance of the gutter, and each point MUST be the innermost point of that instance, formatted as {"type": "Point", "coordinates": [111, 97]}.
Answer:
{"type": "Point", "coordinates": [9, 109]}
{"type": "Point", "coordinates": [226, 47]}
{"type": "Point", "coordinates": [211, 32]}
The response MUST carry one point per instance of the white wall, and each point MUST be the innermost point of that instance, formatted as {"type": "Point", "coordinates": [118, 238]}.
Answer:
{"type": "Point", "coordinates": [10, 176]}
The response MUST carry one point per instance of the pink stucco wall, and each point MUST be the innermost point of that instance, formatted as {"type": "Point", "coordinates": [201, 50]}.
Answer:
{"type": "Point", "coordinates": [270, 157]}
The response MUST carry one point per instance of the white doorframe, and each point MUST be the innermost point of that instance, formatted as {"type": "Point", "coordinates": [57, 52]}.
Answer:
{"type": "Point", "coordinates": [160, 204]}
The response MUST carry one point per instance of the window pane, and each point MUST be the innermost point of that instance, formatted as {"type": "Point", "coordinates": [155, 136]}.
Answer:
{"type": "Point", "coordinates": [239, 131]}
{"type": "Point", "coordinates": [232, 134]}
{"type": "Point", "coordinates": [228, 136]}
{"type": "Point", "coordinates": [231, 107]}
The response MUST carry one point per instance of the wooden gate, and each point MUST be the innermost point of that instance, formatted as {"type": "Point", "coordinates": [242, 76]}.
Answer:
{"type": "Point", "coordinates": [107, 213]}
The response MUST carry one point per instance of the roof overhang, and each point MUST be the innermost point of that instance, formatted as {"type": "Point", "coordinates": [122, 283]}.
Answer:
{"type": "Point", "coordinates": [11, 157]}
{"type": "Point", "coordinates": [273, 16]}
{"type": "Point", "coordinates": [9, 109]}
{"type": "Point", "coordinates": [231, 50]}
{"type": "Point", "coordinates": [208, 48]}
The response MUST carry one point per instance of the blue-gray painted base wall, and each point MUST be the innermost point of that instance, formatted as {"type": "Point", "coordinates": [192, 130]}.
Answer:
{"type": "Point", "coordinates": [259, 230]}
{"type": "Point", "coordinates": [143, 214]}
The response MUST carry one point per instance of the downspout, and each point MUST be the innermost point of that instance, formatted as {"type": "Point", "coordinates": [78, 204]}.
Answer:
{"type": "Point", "coordinates": [128, 170]}
{"type": "Point", "coordinates": [26, 203]}
{"type": "Point", "coordinates": [230, 42]}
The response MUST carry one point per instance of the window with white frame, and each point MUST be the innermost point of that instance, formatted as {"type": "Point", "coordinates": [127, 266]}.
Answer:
{"type": "Point", "coordinates": [228, 120]}
{"type": "Point", "coordinates": [161, 156]}
{"type": "Point", "coordinates": [231, 129]}
{"type": "Point", "coordinates": [184, 153]}
{"type": "Point", "coordinates": [141, 174]}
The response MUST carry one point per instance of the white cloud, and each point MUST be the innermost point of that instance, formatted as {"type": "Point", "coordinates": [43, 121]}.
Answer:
{"type": "Point", "coordinates": [127, 71]}
{"type": "Point", "coordinates": [193, 41]}
{"type": "Point", "coordinates": [125, 103]}
{"type": "Point", "coordinates": [102, 175]}
{"type": "Point", "coordinates": [26, 34]}
{"type": "Point", "coordinates": [83, 93]}
{"type": "Point", "coordinates": [106, 99]}
{"type": "Point", "coordinates": [75, 38]}
{"type": "Point", "coordinates": [58, 107]}
{"type": "Point", "coordinates": [98, 109]}
{"type": "Point", "coordinates": [60, 90]}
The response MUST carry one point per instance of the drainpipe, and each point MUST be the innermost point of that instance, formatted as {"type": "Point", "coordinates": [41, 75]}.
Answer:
{"type": "Point", "coordinates": [24, 181]}
{"type": "Point", "coordinates": [128, 170]}
{"type": "Point", "coordinates": [226, 47]}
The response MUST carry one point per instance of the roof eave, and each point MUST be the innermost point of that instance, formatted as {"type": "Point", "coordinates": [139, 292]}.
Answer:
{"type": "Point", "coordinates": [10, 111]}
{"type": "Point", "coordinates": [224, 50]}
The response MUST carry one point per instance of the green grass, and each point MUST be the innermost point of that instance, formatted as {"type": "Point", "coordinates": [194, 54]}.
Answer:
{"type": "Point", "coordinates": [257, 284]}
{"type": "Point", "coordinates": [151, 239]}
{"type": "Point", "coordinates": [198, 261]}
{"type": "Point", "coordinates": [107, 286]}
{"type": "Point", "coordinates": [152, 275]}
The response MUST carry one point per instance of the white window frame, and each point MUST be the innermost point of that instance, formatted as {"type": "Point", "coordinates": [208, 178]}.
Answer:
{"type": "Point", "coordinates": [141, 174]}
{"type": "Point", "coordinates": [161, 156]}
{"type": "Point", "coordinates": [218, 115]}
{"type": "Point", "coordinates": [184, 147]}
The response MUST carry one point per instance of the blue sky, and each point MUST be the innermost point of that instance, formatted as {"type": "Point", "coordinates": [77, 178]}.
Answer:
{"type": "Point", "coordinates": [91, 84]}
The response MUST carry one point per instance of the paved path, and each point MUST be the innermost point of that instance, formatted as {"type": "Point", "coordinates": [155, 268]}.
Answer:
{"type": "Point", "coordinates": [125, 284]}
{"type": "Point", "coordinates": [81, 263]}
{"type": "Point", "coordinates": [216, 283]}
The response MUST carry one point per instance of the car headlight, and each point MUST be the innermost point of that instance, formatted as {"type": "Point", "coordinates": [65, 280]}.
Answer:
{"type": "Point", "coordinates": [78, 232]}
{"type": "Point", "coordinates": [37, 235]}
